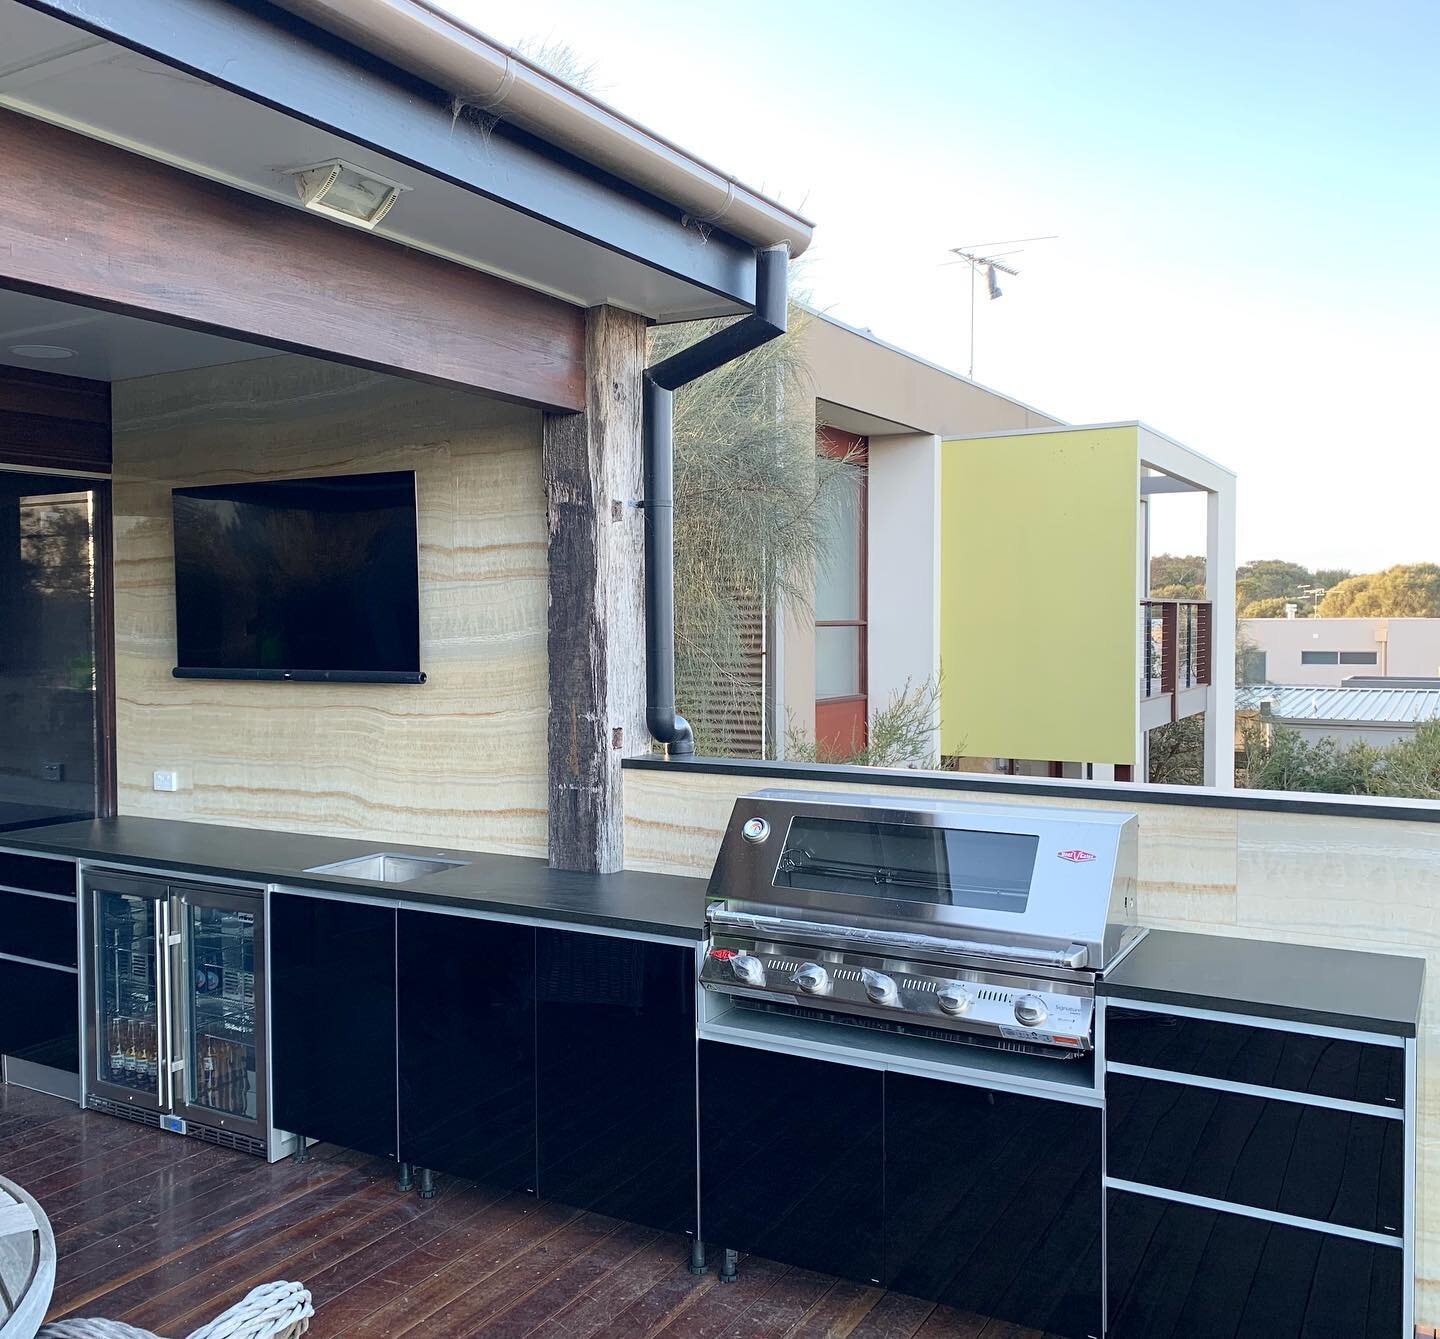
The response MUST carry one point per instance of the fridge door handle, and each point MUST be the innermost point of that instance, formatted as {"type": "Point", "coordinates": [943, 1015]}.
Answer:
{"type": "Point", "coordinates": [164, 1020]}
{"type": "Point", "coordinates": [178, 1008]}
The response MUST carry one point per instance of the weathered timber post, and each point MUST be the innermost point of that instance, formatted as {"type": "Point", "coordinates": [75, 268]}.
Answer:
{"type": "Point", "coordinates": [596, 616]}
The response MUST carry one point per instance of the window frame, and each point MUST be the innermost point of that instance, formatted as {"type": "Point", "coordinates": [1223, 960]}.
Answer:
{"type": "Point", "coordinates": [857, 449]}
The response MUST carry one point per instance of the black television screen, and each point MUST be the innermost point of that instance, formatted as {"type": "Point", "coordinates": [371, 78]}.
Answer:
{"type": "Point", "coordinates": [299, 579]}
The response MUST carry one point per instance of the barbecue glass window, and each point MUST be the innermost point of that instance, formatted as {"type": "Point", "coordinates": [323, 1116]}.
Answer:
{"type": "Point", "coordinates": [909, 862]}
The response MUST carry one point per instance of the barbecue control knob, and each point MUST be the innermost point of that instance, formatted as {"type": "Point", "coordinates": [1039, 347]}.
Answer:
{"type": "Point", "coordinates": [812, 978]}
{"type": "Point", "coordinates": [748, 968]}
{"type": "Point", "coordinates": [953, 999]}
{"type": "Point", "coordinates": [880, 988]}
{"type": "Point", "coordinates": [1030, 1010]}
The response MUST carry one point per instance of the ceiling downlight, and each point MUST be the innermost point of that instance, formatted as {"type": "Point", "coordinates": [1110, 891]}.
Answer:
{"type": "Point", "coordinates": [43, 352]}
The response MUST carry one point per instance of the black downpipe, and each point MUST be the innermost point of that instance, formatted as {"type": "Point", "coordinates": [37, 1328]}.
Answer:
{"type": "Point", "coordinates": [765, 323]}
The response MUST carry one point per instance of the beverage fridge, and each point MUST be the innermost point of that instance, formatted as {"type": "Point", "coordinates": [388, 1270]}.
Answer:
{"type": "Point", "coordinates": [175, 1008]}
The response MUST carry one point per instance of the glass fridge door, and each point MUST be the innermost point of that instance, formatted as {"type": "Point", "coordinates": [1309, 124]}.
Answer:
{"type": "Point", "coordinates": [219, 985]}
{"type": "Point", "coordinates": [128, 1046]}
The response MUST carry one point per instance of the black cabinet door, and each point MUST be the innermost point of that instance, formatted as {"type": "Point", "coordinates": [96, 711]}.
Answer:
{"type": "Point", "coordinates": [792, 1160]}
{"type": "Point", "coordinates": [1179, 1271]}
{"type": "Point", "coordinates": [993, 1203]}
{"type": "Point", "coordinates": [40, 1015]}
{"type": "Point", "coordinates": [332, 1022]}
{"type": "Point", "coordinates": [467, 1047]}
{"type": "Point", "coordinates": [615, 1084]}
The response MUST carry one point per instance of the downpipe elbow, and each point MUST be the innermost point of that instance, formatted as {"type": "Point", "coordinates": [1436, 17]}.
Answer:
{"type": "Point", "coordinates": [669, 727]}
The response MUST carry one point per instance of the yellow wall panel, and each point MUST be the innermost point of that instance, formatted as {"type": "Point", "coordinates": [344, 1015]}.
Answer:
{"type": "Point", "coordinates": [1038, 615]}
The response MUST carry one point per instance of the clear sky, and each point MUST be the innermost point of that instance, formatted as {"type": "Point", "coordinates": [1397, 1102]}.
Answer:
{"type": "Point", "coordinates": [1247, 197]}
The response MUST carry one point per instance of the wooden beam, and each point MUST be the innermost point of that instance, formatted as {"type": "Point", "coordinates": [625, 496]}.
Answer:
{"type": "Point", "coordinates": [54, 422]}
{"type": "Point", "coordinates": [92, 223]}
{"type": "Point", "coordinates": [593, 476]}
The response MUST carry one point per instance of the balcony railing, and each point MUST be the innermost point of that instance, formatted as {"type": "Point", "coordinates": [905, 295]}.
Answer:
{"type": "Point", "coordinates": [1175, 638]}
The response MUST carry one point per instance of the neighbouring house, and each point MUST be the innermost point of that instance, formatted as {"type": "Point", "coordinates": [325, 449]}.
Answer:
{"type": "Point", "coordinates": [990, 545]}
{"type": "Point", "coordinates": [1323, 651]}
{"type": "Point", "coordinates": [352, 845]}
{"type": "Point", "coordinates": [1378, 712]}
{"type": "Point", "coordinates": [870, 628]}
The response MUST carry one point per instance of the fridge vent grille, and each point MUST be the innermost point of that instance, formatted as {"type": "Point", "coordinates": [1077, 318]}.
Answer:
{"type": "Point", "coordinates": [227, 1139]}
{"type": "Point", "coordinates": [125, 1111]}
{"type": "Point", "coordinates": [224, 1138]}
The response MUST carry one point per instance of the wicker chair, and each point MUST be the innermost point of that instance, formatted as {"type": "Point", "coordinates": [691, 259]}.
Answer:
{"type": "Point", "coordinates": [271, 1311]}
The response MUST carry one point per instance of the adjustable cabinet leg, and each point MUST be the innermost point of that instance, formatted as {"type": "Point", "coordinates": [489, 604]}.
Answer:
{"type": "Point", "coordinates": [697, 1256]}
{"type": "Point", "coordinates": [302, 1149]}
{"type": "Point", "coordinates": [403, 1179]}
{"type": "Point", "coordinates": [728, 1260]}
{"type": "Point", "coordinates": [427, 1184]}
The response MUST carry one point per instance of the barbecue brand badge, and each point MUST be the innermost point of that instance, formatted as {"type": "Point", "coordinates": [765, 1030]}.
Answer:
{"type": "Point", "coordinates": [1076, 856]}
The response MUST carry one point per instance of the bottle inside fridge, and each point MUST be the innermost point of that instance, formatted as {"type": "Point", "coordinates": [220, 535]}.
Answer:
{"type": "Point", "coordinates": [222, 1025]}
{"type": "Point", "coordinates": [128, 999]}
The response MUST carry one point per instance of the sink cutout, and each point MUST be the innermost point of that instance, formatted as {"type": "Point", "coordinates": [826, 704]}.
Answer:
{"type": "Point", "coordinates": [389, 867]}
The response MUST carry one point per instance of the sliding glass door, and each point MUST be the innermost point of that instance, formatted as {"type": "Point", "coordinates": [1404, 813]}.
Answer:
{"type": "Point", "coordinates": [54, 636]}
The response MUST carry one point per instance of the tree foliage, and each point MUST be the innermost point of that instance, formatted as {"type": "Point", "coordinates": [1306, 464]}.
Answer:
{"type": "Point", "coordinates": [901, 734]}
{"type": "Point", "coordinates": [1176, 577]}
{"type": "Point", "coordinates": [1272, 606]}
{"type": "Point", "coordinates": [1278, 758]}
{"type": "Point", "coordinates": [1263, 588]}
{"type": "Point", "coordinates": [1270, 578]}
{"type": "Point", "coordinates": [1176, 752]}
{"type": "Point", "coordinates": [751, 497]}
{"type": "Point", "coordinates": [1408, 590]}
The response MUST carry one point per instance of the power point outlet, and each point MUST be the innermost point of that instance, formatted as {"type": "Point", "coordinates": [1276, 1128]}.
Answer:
{"type": "Point", "coordinates": [166, 781]}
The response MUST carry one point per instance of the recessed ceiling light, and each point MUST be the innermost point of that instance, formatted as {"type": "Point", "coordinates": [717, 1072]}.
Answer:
{"type": "Point", "coordinates": [344, 191]}
{"type": "Point", "coordinates": [41, 351]}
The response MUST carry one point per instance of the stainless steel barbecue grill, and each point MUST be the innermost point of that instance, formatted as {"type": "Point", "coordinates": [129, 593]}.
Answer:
{"type": "Point", "coordinates": [973, 923]}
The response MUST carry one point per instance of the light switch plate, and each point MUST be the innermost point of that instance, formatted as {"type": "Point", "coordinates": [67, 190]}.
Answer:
{"type": "Point", "coordinates": [166, 781]}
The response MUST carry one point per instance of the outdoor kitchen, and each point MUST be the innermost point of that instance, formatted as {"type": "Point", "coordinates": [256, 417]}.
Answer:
{"type": "Point", "coordinates": [864, 980]}
{"type": "Point", "coordinates": [377, 951]}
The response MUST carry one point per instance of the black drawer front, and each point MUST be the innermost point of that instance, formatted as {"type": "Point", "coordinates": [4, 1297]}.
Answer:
{"type": "Point", "coordinates": [1269, 1153]}
{"type": "Point", "coordinates": [1321, 1066]}
{"type": "Point", "coordinates": [40, 1015]}
{"type": "Point", "coordinates": [1177, 1271]}
{"type": "Point", "coordinates": [37, 873]}
{"type": "Point", "coordinates": [38, 927]}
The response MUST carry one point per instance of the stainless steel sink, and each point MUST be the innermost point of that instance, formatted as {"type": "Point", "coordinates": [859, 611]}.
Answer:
{"type": "Point", "coordinates": [388, 867]}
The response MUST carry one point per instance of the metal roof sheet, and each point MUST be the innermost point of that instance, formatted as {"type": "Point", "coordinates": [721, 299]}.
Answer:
{"type": "Point", "coordinates": [1303, 702]}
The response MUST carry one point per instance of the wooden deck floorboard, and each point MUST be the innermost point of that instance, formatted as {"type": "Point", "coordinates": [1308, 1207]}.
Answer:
{"type": "Point", "coordinates": [164, 1233]}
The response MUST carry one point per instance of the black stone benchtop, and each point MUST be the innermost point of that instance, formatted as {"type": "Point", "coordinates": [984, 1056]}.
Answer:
{"type": "Point", "coordinates": [1331, 987]}
{"type": "Point", "coordinates": [658, 904]}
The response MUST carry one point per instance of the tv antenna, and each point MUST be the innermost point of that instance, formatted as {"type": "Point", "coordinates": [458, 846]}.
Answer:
{"type": "Point", "coordinates": [981, 256]}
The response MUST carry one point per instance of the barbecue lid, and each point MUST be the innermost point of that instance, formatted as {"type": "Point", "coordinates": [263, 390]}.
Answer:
{"type": "Point", "coordinates": [1019, 877]}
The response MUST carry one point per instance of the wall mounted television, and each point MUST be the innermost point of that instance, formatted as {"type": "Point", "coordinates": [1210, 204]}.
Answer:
{"type": "Point", "coordinates": [301, 579]}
